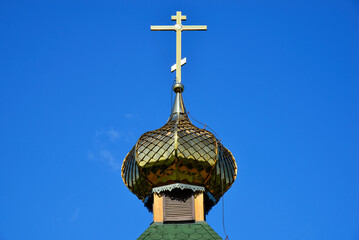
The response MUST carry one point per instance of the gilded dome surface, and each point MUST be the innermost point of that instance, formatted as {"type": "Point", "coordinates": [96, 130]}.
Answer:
{"type": "Point", "coordinates": [179, 152]}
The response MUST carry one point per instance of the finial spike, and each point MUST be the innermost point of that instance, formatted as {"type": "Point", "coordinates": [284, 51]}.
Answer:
{"type": "Point", "coordinates": [178, 108]}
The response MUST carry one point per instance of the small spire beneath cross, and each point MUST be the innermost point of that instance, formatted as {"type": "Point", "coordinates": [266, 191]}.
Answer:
{"type": "Point", "coordinates": [178, 27]}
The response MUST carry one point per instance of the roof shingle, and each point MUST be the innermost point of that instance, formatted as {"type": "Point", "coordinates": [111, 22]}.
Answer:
{"type": "Point", "coordinates": [188, 231]}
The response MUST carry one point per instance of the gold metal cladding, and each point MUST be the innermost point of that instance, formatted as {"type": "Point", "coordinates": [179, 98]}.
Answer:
{"type": "Point", "coordinates": [178, 27]}
{"type": "Point", "coordinates": [179, 152]}
{"type": "Point", "coordinates": [133, 177]}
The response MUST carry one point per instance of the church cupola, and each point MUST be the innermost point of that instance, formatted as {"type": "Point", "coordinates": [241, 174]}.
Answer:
{"type": "Point", "coordinates": [179, 171]}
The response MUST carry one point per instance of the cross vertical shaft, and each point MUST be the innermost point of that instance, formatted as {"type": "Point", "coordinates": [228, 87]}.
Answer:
{"type": "Point", "coordinates": [178, 27]}
{"type": "Point", "coordinates": [178, 47]}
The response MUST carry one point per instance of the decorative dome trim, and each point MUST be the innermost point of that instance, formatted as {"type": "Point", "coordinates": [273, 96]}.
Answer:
{"type": "Point", "coordinates": [181, 186]}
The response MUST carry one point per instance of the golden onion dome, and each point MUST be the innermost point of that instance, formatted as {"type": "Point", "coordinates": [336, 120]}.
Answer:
{"type": "Point", "coordinates": [179, 152]}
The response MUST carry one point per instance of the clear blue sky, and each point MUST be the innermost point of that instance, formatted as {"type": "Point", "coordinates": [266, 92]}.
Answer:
{"type": "Point", "coordinates": [82, 80]}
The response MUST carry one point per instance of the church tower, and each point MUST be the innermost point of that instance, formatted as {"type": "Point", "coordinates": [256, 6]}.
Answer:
{"type": "Point", "coordinates": [179, 171]}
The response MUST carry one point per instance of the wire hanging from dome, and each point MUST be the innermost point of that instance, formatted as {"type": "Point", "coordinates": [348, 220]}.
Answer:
{"type": "Point", "coordinates": [204, 126]}
{"type": "Point", "coordinates": [224, 228]}
{"type": "Point", "coordinates": [221, 174]}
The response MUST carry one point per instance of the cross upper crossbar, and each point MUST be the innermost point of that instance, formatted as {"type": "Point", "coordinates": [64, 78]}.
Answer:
{"type": "Point", "coordinates": [178, 27]}
{"type": "Point", "coordinates": [183, 17]}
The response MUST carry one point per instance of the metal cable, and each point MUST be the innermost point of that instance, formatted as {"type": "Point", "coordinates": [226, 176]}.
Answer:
{"type": "Point", "coordinates": [224, 228]}
{"type": "Point", "coordinates": [222, 177]}
{"type": "Point", "coordinates": [204, 125]}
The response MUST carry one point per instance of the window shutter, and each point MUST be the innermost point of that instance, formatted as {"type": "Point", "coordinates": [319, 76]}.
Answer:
{"type": "Point", "coordinates": [176, 210]}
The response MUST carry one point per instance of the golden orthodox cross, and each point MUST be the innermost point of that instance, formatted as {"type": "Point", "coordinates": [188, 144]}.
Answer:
{"type": "Point", "coordinates": [178, 27]}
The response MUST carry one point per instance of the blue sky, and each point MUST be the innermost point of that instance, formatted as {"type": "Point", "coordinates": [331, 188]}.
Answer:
{"type": "Point", "coordinates": [82, 80]}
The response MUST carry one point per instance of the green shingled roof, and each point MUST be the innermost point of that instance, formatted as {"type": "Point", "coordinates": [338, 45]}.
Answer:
{"type": "Point", "coordinates": [188, 231]}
